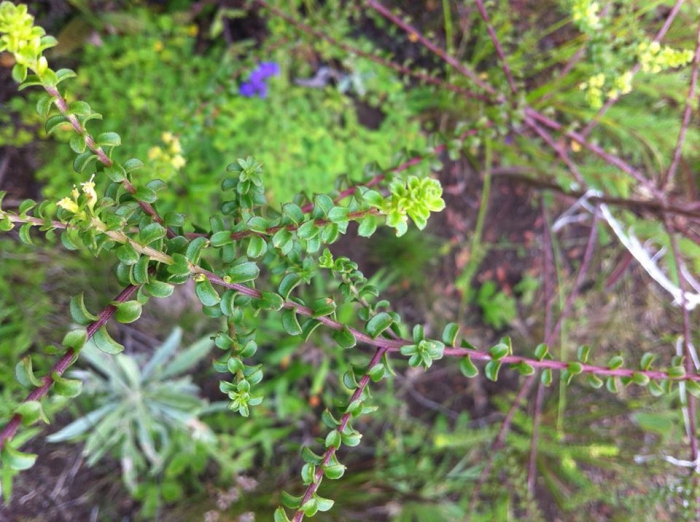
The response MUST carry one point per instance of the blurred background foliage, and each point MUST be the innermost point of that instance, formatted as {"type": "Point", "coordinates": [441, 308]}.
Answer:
{"type": "Point", "coordinates": [166, 76]}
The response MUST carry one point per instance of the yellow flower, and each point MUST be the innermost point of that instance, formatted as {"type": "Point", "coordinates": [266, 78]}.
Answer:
{"type": "Point", "coordinates": [175, 146]}
{"type": "Point", "coordinates": [69, 205]}
{"type": "Point", "coordinates": [178, 161]}
{"type": "Point", "coordinates": [158, 46]}
{"type": "Point", "coordinates": [154, 153]}
{"type": "Point", "coordinates": [89, 190]}
{"type": "Point", "coordinates": [75, 193]}
{"type": "Point", "coordinates": [167, 137]}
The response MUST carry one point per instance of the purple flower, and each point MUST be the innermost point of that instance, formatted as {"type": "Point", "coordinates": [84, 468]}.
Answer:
{"type": "Point", "coordinates": [256, 86]}
{"type": "Point", "coordinates": [247, 89]}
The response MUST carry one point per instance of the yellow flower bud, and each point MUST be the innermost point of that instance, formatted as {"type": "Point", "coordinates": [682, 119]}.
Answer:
{"type": "Point", "coordinates": [178, 161]}
{"type": "Point", "coordinates": [69, 205]}
{"type": "Point", "coordinates": [89, 190]}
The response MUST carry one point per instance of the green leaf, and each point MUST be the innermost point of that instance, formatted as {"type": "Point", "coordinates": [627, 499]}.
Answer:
{"type": "Point", "coordinates": [258, 224]}
{"type": "Point", "coordinates": [180, 266]}
{"type": "Point", "coordinates": [105, 343]}
{"type": "Point", "coordinates": [290, 322]}
{"type": "Point", "coordinates": [79, 312]}
{"type": "Point", "coordinates": [676, 372]}
{"type": "Point", "coordinates": [174, 219]}
{"type": "Point", "coordinates": [310, 508]}
{"type": "Point", "coordinates": [367, 226]}
{"type": "Point", "coordinates": [349, 381]}
{"type": "Point", "coordinates": [541, 351]}
{"type": "Point", "coordinates": [467, 367]}
{"type": "Point", "coordinates": [525, 368]}
{"type": "Point", "coordinates": [43, 106]}
{"type": "Point", "coordinates": [344, 338]}
{"type": "Point", "coordinates": [291, 501]}
{"type": "Point", "coordinates": [25, 373]}
{"type": "Point", "coordinates": [283, 239]}
{"type": "Point", "coordinates": [611, 383]}
{"type": "Point", "coordinates": [566, 377]}
{"type": "Point", "coordinates": [133, 164]}
{"type": "Point", "coordinates": [323, 307]}
{"type": "Point", "coordinates": [116, 172]}
{"type": "Point", "coordinates": [449, 334]}
{"type": "Point", "coordinates": [308, 230]}
{"type": "Point", "coordinates": [83, 161]}
{"type": "Point", "coordinates": [108, 139]}
{"type": "Point", "coordinates": [293, 212]}
{"type": "Point", "coordinates": [15, 459]}
{"type": "Point", "coordinates": [546, 377]}
{"type": "Point", "coordinates": [289, 282]}
{"type": "Point", "coordinates": [333, 440]}
{"type": "Point", "coordinates": [55, 121]}
{"type": "Point", "coordinates": [583, 353]}
{"type": "Point", "coordinates": [594, 381]}
{"type": "Point", "coordinates": [75, 339]}
{"type": "Point", "coordinates": [354, 408]}
{"type": "Point", "coordinates": [61, 74]}
{"type": "Point", "coordinates": [640, 379]}
{"type": "Point", "coordinates": [151, 233]}
{"type": "Point", "coordinates": [324, 504]}
{"type": "Point", "coordinates": [308, 328]}
{"type": "Point", "coordinates": [194, 249]}
{"type": "Point", "coordinates": [351, 438]}
{"type": "Point", "coordinates": [159, 289]}
{"type": "Point", "coordinates": [147, 195]}
{"type": "Point", "coordinates": [31, 412]}
{"type": "Point", "coordinates": [280, 515]}
{"type": "Point", "coordinates": [206, 293]}
{"type": "Point", "coordinates": [656, 389]}
{"type": "Point", "coordinates": [491, 370]}
{"type": "Point", "coordinates": [80, 108]}
{"type": "Point", "coordinates": [243, 272]}
{"type": "Point", "coordinates": [499, 351]}
{"type": "Point", "coordinates": [575, 368]}
{"type": "Point", "coordinates": [692, 386]}
{"type": "Point", "coordinates": [127, 254]}
{"type": "Point", "coordinates": [25, 233]}
{"type": "Point", "coordinates": [615, 362]}
{"type": "Point", "coordinates": [66, 387]}
{"type": "Point", "coordinates": [647, 361]}
{"type": "Point", "coordinates": [270, 301]}
{"type": "Point", "coordinates": [377, 324]}
{"type": "Point", "coordinates": [309, 456]}
{"type": "Point", "coordinates": [139, 271]}
{"type": "Point", "coordinates": [77, 143]}
{"type": "Point", "coordinates": [338, 214]}
{"type": "Point", "coordinates": [128, 311]}
{"type": "Point", "coordinates": [6, 225]}
{"type": "Point", "coordinates": [377, 372]}
{"type": "Point", "coordinates": [334, 471]}
{"type": "Point", "coordinates": [256, 247]}
{"type": "Point", "coordinates": [222, 238]}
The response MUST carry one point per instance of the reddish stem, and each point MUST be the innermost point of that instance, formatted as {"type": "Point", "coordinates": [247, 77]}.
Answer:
{"type": "Point", "coordinates": [62, 365]}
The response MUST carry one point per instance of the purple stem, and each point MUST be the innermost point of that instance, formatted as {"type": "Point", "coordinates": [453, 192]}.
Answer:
{"type": "Point", "coordinates": [418, 36]}
{"type": "Point", "coordinates": [682, 283]}
{"type": "Point", "coordinates": [497, 45]}
{"type": "Point", "coordinates": [101, 155]}
{"type": "Point", "coordinates": [667, 177]}
{"type": "Point", "coordinates": [328, 455]}
{"type": "Point", "coordinates": [598, 151]}
{"type": "Point", "coordinates": [62, 365]}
